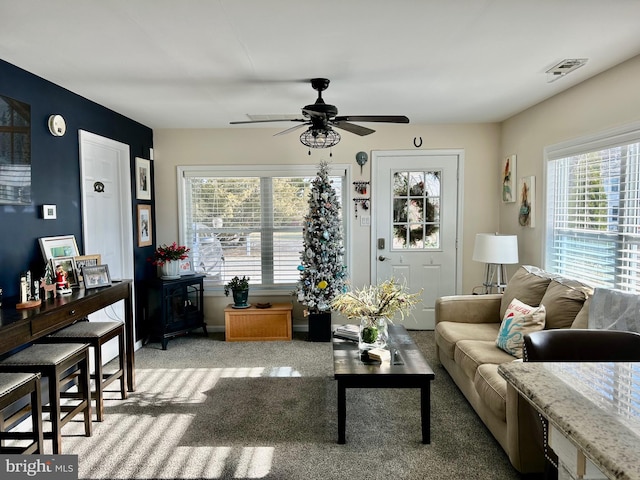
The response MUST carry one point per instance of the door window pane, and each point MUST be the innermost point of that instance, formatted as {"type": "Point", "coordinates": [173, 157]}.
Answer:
{"type": "Point", "coordinates": [416, 219]}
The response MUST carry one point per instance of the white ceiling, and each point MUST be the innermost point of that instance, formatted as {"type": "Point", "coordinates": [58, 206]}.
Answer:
{"type": "Point", "coordinates": [204, 63]}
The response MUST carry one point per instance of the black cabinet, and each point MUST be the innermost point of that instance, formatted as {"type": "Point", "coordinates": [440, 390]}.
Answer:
{"type": "Point", "coordinates": [174, 307]}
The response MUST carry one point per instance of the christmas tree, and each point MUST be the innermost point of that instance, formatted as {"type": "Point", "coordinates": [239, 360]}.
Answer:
{"type": "Point", "coordinates": [322, 272]}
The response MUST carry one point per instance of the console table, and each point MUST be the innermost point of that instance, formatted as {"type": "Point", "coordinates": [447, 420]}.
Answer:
{"type": "Point", "coordinates": [20, 327]}
{"type": "Point", "coordinates": [593, 412]}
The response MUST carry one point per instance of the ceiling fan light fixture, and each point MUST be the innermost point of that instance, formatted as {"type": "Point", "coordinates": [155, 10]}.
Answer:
{"type": "Point", "coordinates": [314, 138]}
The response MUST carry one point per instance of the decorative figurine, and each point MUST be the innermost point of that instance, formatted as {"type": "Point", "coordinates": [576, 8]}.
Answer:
{"type": "Point", "coordinates": [62, 283]}
{"type": "Point", "coordinates": [26, 298]}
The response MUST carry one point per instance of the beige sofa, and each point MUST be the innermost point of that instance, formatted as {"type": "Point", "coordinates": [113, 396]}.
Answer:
{"type": "Point", "coordinates": [465, 333]}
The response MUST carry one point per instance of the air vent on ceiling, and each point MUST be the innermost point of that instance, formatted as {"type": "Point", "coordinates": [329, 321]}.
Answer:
{"type": "Point", "coordinates": [564, 67]}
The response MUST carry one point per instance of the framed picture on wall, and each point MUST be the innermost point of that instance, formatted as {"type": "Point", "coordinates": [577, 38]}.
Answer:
{"type": "Point", "coordinates": [527, 196]}
{"type": "Point", "coordinates": [143, 179]}
{"type": "Point", "coordinates": [509, 179]}
{"type": "Point", "coordinates": [144, 226]}
{"type": "Point", "coordinates": [54, 247]}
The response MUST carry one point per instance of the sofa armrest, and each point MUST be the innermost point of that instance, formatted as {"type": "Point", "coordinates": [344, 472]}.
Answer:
{"type": "Point", "coordinates": [468, 308]}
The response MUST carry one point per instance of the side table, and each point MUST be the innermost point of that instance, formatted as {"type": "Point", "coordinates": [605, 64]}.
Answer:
{"type": "Point", "coordinates": [174, 307]}
{"type": "Point", "coordinates": [253, 323]}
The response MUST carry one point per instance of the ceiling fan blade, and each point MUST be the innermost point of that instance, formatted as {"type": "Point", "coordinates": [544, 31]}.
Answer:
{"type": "Point", "coordinates": [292, 128]}
{"type": "Point", "coordinates": [373, 118]}
{"type": "Point", "coordinates": [270, 120]}
{"type": "Point", "coordinates": [353, 128]}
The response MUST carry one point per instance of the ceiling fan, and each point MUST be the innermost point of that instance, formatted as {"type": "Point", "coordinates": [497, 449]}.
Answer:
{"type": "Point", "coordinates": [321, 117]}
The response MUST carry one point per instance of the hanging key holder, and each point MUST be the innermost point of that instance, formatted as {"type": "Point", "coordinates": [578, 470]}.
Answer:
{"type": "Point", "coordinates": [361, 187]}
{"type": "Point", "coordinates": [363, 202]}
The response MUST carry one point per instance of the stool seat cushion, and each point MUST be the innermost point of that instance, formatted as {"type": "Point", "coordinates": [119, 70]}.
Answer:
{"type": "Point", "coordinates": [87, 329]}
{"type": "Point", "coordinates": [44, 354]}
{"type": "Point", "coordinates": [11, 381]}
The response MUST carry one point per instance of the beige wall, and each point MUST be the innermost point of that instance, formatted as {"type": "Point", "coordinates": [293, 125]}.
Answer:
{"type": "Point", "coordinates": [607, 100]}
{"type": "Point", "coordinates": [248, 146]}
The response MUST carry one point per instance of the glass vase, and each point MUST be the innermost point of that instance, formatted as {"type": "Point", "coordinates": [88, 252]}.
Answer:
{"type": "Point", "coordinates": [373, 333]}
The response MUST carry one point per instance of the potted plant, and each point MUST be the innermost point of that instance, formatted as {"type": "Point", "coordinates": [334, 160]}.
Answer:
{"type": "Point", "coordinates": [374, 306]}
{"type": "Point", "coordinates": [168, 257]}
{"type": "Point", "coordinates": [239, 287]}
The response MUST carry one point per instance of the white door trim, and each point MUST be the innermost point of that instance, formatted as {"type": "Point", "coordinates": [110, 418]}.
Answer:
{"type": "Point", "coordinates": [87, 139]}
{"type": "Point", "coordinates": [375, 156]}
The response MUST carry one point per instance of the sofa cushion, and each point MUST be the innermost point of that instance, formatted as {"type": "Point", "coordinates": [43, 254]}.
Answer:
{"type": "Point", "coordinates": [470, 354]}
{"type": "Point", "coordinates": [528, 285]}
{"type": "Point", "coordinates": [582, 318]}
{"type": "Point", "coordinates": [519, 319]}
{"type": "Point", "coordinates": [492, 389]}
{"type": "Point", "coordinates": [449, 333]}
{"type": "Point", "coordinates": [563, 300]}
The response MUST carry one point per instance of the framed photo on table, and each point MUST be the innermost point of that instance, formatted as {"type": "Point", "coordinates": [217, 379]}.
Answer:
{"type": "Point", "coordinates": [96, 276]}
{"type": "Point", "coordinates": [143, 179]}
{"type": "Point", "coordinates": [186, 266]}
{"type": "Point", "coordinates": [86, 261]}
{"type": "Point", "coordinates": [145, 233]}
{"type": "Point", "coordinates": [55, 247]}
{"type": "Point", "coordinates": [65, 267]}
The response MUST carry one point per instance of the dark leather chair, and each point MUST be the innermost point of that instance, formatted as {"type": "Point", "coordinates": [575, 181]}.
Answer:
{"type": "Point", "coordinates": [575, 345]}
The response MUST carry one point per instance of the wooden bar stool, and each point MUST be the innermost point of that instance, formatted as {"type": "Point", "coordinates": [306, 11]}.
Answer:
{"type": "Point", "coordinates": [13, 388]}
{"type": "Point", "coordinates": [64, 365]}
{"type": "Point", "coordinates": [97, 334]}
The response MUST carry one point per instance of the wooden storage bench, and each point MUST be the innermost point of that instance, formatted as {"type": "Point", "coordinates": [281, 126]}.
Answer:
{"type": "Point", "coordinates": [273, 323]}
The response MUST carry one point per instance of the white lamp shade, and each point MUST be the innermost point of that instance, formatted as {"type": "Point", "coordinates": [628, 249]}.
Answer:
{"type": "Point", "coordinates": [494, 248]}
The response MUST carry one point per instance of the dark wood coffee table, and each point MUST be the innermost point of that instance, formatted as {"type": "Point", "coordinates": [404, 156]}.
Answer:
{"type": "Point", "coordinates": [407, 369]}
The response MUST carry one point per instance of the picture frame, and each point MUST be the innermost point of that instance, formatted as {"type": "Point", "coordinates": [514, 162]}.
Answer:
{"type": "Point", "coordinates": [527, 196]}
{"type": "Point", "coordinates": [49, 212]}
{"type": "Point", "coordinates": [145, 231]}
{"type": "Point", "coordinates": [508, 184]}
{"type": "Point", "coordinates": [86, 261]}
{"type": "Point", "coordinates": [186, 266]}
{"type": "Point", "coordinates": [69, 266]}
{"type": "Point", "coordinates": [96, 276]}
{"type": "Point", "coordinates": [143, 179]}
{"type": "Point", "coordinates": [55, 247]}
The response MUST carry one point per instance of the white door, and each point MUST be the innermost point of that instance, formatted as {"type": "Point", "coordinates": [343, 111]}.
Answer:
{"type": "Point", "coordinates": [107, 226]}
{"type": "Point", "coordinates": [416, 225]}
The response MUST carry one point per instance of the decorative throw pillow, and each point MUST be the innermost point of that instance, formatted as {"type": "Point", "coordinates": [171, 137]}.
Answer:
{"type": "Point", "coordinates": [519, 319]}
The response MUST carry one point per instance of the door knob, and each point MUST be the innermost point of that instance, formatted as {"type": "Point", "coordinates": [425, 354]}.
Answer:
{"type": "Point", "coordinates": [382, 258]}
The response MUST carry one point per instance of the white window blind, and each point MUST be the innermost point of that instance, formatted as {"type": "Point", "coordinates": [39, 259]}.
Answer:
{"type": "Point", "coordinates": [239, 223]}
{"type": "Point", "coordinates": [593, 211]}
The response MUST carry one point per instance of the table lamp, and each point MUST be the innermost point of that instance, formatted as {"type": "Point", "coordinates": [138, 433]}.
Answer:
{"type": "Point", "coordinates": [496, 251]}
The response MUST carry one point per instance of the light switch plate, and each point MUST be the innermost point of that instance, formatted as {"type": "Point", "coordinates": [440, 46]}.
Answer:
{"type": "Point", "coordinates": [365, 221]}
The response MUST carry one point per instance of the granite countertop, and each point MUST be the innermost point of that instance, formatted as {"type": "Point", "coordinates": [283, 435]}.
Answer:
{"type": "Point", "coordinates": [595, 405]}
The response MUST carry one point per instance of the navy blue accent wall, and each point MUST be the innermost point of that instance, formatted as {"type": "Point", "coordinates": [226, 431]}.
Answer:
{"type": "Point", "coordinates": [55, 173]}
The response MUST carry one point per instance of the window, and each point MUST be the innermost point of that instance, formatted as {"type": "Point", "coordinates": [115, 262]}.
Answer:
{"type": "Point", "coordinates": [593, 210]}
{"type": "Point", "coordinates": [416, 209]}
{"type": "Point", "coordinates": [247, 224]}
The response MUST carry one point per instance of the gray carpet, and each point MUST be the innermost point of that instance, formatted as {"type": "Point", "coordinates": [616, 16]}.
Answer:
{"type": "Point", "coordinates": [209, 409]}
